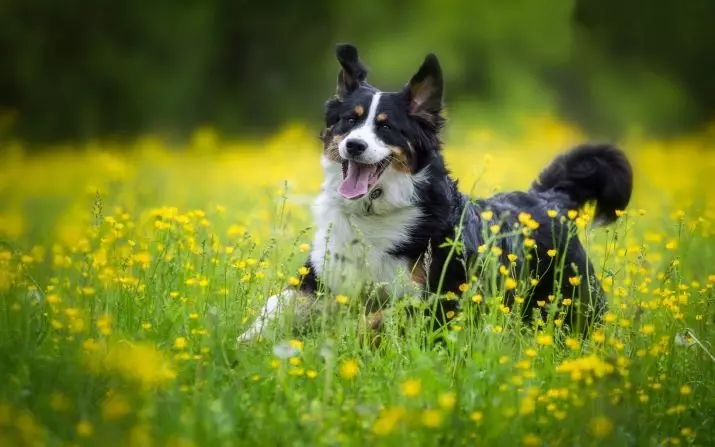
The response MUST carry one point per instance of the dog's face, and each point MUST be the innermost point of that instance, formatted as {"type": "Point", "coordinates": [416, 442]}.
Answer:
{"type": "Point", "coordinates": [376, 136]}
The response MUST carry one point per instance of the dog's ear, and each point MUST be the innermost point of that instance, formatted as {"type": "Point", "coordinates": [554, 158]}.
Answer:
{"type": "Point", "coordinates": [424, 91]}
{"type": "Point", "coordinates": [352, 73]}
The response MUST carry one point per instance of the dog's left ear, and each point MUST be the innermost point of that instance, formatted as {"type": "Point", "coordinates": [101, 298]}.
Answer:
{"type": "Point", "coordinates": [425, 89]}
{"type": "Point", "coordinates": [352, 73]}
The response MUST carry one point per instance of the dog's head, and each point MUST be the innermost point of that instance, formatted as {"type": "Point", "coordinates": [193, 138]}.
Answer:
{"type": "Point", "coordinates": [374, 136]}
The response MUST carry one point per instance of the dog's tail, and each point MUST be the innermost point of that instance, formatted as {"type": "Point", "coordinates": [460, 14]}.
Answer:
{"type": "Point", "coordinates": [586, 173]}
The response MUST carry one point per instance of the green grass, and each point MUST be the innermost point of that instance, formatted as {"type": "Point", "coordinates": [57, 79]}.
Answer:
{"type": "Point", "coordinates": [126, 336]}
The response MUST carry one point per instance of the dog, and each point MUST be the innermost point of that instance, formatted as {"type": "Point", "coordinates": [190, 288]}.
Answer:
{"type": "Point", "coordinates": [391, 222]}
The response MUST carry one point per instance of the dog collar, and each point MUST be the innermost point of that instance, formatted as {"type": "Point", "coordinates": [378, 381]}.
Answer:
{"type": "Point", "coordinates": [374, 195]}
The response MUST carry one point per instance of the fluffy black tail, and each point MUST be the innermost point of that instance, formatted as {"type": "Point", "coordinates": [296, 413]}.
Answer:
{"type": "Point", "coordinates": [590, 172]}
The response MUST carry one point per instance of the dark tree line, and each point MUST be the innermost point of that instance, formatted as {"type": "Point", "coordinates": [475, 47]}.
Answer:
{"type": "Point", "coordinates": [79, 69]}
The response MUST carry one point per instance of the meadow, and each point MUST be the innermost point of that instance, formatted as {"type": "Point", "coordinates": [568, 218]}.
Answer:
{"type": "Point", "coordinates": [127, 270]}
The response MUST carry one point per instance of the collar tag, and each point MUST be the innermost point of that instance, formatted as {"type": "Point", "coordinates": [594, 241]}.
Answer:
{"type": "Point", "coordinates": [376, 193]}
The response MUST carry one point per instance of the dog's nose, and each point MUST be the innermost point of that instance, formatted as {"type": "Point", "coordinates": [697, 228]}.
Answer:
{"type": "Point", "coordinates": [355, 147]}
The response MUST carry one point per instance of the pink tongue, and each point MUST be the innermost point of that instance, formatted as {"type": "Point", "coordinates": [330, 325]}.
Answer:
{"type": "Point", "coordinates": [356, 180]}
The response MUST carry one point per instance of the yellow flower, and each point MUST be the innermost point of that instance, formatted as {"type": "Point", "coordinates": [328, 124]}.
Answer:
{"type": "Point", "coordinates": [552, 213]}
{"type": "Point", "coordinates": [476, 416]}
{"type": "Point", "coordinates": [510, 284]}
{"type": "Point", "coordinates": [58, 402]}
{"type": "Point", "coordinates": [463, 287]}
{"type": "Point", "coordinates": [349, 369]}
{"type": "Point", "coordinates": [527, 406]}
{"type": "Point", "coordinates": [545, 340]}
{"type": "Point", "coordinates": [531, 440]}
{"type": "Point", "coordinates": [512, 257]}
{"type": "Point", "coordinates": [477, 298]}
{"type": "Point", "coordinates": [598, 336]}
{"type": "Point", "coordinates": [572, 214]}
{"type": "Point", "coordinates": [494, 228]}
{"type": "Point", "coordinates": [341, 299]}
{"type": "Point", "coordinates": [671, 245]}
{"type": "Point", "coordinates": [647, 329]}
{"type": "Point", "coordinates": [487, 215]}
{"type": "Point", "coordinates": [601, 427]}
{"type": "Point", "coordinates": [84, 429]}
{"type": "Point", "coordinates": [567, 302]}
{"type": "Point", "coordinates": [529, 242]}
{"type": "Point", "coordinates": [432, 418]}
{"type": "Point", "coordinates": [293, 281]}
{"type": "Point", "coordinates": [387, 421]}
{"type": "Point", "coordinates": [575, 280]}
{"type": "Point", "coordinates": [447, 400]}
{"type": "Point", "coordinates": [311, 374]}
{"type": "Point", "coordinates": [115, 406]}
{"type": "Point", "coordinates": [304, 248]}
{"type": "Point", "coordinates": [685, 390]}
{"type": "Point", "coordinates": [180, 343]}
{"type": "Point", "coordinates": [551, 252]}
{"type": "Point", "coordinates": [573, 343]}
{"type": "Point", "coordinates": [411, 387]}
{"type": "Point", "coordinates": [303, 271]}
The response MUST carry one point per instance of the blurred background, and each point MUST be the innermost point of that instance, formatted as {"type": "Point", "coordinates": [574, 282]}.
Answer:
{"type": "Point", "coordinates": [77, 69]}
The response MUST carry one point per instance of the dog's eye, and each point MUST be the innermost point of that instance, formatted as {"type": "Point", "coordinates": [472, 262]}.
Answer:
{"type": "Point", "coordinates": [385, 126]}
{"type": "Point", "coordinates": [351, 121]}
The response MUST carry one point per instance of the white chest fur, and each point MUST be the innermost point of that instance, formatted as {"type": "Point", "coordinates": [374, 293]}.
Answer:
{"type": "Point", "coordinates": [352, 244]}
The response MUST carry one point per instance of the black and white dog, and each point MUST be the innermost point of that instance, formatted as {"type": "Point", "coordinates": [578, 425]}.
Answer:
{"type": "Point", "coordinates": [387, 207]}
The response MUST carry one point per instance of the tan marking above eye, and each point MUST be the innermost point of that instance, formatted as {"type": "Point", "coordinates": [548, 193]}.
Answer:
{"type": "Point", "coordinates": [382, 117]}
{"type": "Point", "coordinates": [359, 110]}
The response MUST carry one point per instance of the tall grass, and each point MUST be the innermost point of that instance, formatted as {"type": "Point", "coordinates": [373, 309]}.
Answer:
{"type": "Point", "coordinates": [125, 278]}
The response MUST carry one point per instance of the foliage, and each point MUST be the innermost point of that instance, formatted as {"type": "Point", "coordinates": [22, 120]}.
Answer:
{"type": "Point", "coordinates": [126, 274]}
{"type": "Point", "coordinates": [78, 70]}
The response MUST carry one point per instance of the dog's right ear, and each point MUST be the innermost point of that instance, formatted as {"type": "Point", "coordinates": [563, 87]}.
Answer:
{"type": "Point", "coordinates": [352, 73]}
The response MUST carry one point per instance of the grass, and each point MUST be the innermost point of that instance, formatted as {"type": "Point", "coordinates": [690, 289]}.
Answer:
{"type": "Point", "coordinates": [126, 273]}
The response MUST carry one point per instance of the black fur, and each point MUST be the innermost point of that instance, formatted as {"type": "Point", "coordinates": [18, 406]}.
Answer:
{"type": "Point", "coordinates": [589, 172]}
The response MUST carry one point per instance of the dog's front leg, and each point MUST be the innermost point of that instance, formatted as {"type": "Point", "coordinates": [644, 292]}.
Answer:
{"type": "Point", "coordinates": [300, 300]}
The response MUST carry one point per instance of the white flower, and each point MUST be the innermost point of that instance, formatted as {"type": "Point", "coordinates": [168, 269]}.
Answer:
{"type": "Point", "coordinates": [684, 339]}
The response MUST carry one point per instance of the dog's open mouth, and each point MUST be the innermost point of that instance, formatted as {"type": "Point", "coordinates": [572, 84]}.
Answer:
{"type": "Point", "coordinates": [359, 178]}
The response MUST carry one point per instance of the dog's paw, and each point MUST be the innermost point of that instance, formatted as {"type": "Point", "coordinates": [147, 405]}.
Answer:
{"type": "Point", "coordinates": [250, 336]}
